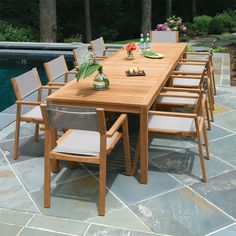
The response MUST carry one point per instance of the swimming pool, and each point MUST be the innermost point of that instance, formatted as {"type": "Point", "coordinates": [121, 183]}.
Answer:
{"type": "Point", "coordinates": [14, 65]}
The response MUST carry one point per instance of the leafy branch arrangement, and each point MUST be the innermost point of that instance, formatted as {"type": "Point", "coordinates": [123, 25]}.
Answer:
{"type": "Point", "coordinates": [88, 67]}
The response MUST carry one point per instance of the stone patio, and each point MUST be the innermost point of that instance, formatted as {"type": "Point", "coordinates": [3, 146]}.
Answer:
{"type": "Point", "coordinates": [174, 202]}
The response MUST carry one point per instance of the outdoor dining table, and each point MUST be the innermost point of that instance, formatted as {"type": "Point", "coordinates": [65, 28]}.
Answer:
{"type": "Point", "coordinates": [134, 94]}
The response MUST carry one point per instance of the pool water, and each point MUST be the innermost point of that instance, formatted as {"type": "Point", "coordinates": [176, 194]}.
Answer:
{"type": "Point", "coordinates": [12, 66]}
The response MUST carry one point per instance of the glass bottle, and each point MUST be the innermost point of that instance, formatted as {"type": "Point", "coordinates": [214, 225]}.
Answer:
{"type": "Point", "coordinates": [141, 43]}
{"type": "Point", "coordinates": [148, 48]}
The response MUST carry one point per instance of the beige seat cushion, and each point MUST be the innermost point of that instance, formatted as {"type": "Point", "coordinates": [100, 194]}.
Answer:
{"type": "Point", "coordinates": [81, 142]}
{"type": "Point", "coordinates": [170, 123]}
{"type": "Point", "coordinates": [181, 82]}
{"type": "Point", "coordinates": [34, 113]}
{"type": "Point", "coordinates": [177, 100]}
{"type": "Point", "coordinates": [190, 68]}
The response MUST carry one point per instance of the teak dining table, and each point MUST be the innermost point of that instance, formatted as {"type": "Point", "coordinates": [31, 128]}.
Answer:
{"type": "Point", "coordinates": [126, 94]}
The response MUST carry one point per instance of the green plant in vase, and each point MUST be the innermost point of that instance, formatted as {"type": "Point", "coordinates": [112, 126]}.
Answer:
{"type": "Point", "coordinates": [88, 67]}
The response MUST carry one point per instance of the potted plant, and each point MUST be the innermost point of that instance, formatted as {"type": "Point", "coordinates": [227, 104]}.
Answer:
{"type": "Point", "coordinates": [88, 67]}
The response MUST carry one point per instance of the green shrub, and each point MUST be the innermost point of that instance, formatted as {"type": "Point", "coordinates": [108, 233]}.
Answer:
{"type": "Point", "coordinates": [228, 19]}
{"type": "Point", "coordinates": [201, 24]}
{"type": "Point", "coordinates": [74, 38]}
{"type": "Point", "coordinates": [191, 28]}
{"type": "Point", "coordinates": [9, 32]}
{"type": "Point", "coordinates": [216, 26]}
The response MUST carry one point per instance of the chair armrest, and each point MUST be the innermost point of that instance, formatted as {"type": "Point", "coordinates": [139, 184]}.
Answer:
{"type": "Point", "coordinates": [71, 72]}
{"type": "Point", "coordinates": [189, 73]}
{"type": "Point", "coordinates": [174, 95]}
{"type": "Point", "coordinates": [174, 114]}
{"type": "Point", "coordinates": [50, 87]}
{"type": "Point", "coordinates": [31, 103]}
{"type": "Point", "coordinates": [57, 83]}
{"type": "Point", "coordinates": [192, 63]}
{"type": "Point", "coordinates": [194, 60]}
{"type": "Point", "coordinates": [181, 89]}
{"type": "Point", "coordinates": [111, 50]}
{"type": "Point", "coordinates": [198, 53]}
{"type": "Point", "coordinates": [116, 125]}
{"type": "Point", "coordinates": [101, 57]}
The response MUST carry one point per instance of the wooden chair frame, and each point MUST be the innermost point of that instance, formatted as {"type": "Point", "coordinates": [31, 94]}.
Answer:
{"type": "Point", "coordinates": [104, 51]}
{"type": "Point", "coordinates": [200, 128]}
{"type": "Point", "coordinates": [209, 61]}
{"type": "Point", "coordinates": [204, 76]}
{"type": "Point", "coordinates": [189, 93]}
{"type": "Point", "coordinates": [50, 76]}
{"type": "Point", "coordinates": [20, 103]}
{"type": "Point", "coordinates": [51, 142]}
{"type": "Point", "coordinates": [177, 36]}
{"type": "Point", "coordinates": [77, 64]}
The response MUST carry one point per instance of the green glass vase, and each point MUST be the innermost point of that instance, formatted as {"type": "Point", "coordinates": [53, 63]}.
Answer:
{"type": "Point", "coordinates": [101, 82]}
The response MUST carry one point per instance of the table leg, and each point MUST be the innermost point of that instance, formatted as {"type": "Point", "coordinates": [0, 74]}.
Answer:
{"type": "Point", "coordinates": [50, 143]}
{"type": "Point", "coordinates": [144, 146]}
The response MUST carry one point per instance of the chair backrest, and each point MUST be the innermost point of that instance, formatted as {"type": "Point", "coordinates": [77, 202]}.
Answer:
{"type": "Point", "coordinates": [70, 117]}
{"type": "Point", "coordinates": [164, 36]}
{"type": "Point", "coordinates": [98, 46]}
{"type": "Point", "coordinates": [26, 83]}
{"type": "Point", "coordinates": [56, 68]}
{"type": "Point", "coordinates": [80, 54]}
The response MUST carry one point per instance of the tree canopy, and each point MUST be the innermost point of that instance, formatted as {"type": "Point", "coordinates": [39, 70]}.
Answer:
{"type": "Point", "coordinates": [114, 20]}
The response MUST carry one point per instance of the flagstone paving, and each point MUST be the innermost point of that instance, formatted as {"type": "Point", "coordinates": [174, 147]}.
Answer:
{"type": "Point", "coordinates": [174, 202]}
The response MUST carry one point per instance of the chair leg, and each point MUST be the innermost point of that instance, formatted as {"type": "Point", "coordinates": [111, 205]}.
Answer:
{"type": "Point", "coordinates": [207, 115]}
{"type": "Point", "coordinates": [201, 156]}
{"type": "Point", "coordinates": [212, 75]}
{"type": "Point", "coordinates": [47, 173]}
{"type": "Point", "coordinates": [17, 133]}
{"type": "Point", "coordinates": [102, 187]}
{"type": "Point", "coordinates": [210, 103]}
{"type": "Point", "coordinates": [136, 157]}
{"type": "Point", "coordinates": [211, 85]}
{"type": "Point", "coordinates": [36, 133]}
{"type": "Point", "coordinates": [126, 147]}
{"type": "Point", "coordinates": [206, 141]}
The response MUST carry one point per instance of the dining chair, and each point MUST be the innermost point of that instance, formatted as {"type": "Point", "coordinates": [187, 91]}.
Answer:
{"type": "Point", "coordinates": [179, 125]}
{"type": "Point", "coordinates": [24, 85]}
{"type": "Point", "coordinates": [87, 140]}
{"type": "Point", "coordinates": [181, 98]}
{"type": "Point", "coordinates": [192, 75]}
{"type": "Point", "coordinates": [164, 36]}
{"type": "Point", "coordinates": [57, 68]}
{"type": "Point", "coordinates": [80, 55]}
{"type": "Point", "coordinates": [99, 48]}
{"type": "Point", "coordinates": [201, 57]}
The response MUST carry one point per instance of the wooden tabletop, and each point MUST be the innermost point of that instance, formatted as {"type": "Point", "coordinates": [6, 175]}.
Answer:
{"type": "Point", "coordinates": [126, 94]}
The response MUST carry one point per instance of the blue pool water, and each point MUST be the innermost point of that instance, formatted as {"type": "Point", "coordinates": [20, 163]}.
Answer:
{"type": "Point", "coordinates": [12, 66]}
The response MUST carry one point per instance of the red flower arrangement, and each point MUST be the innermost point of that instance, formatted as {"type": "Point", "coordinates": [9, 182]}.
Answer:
{"type": "Point", "coordinates": [130, 47]}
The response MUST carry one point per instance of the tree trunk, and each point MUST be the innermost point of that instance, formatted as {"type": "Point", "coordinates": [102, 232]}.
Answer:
{"type": "Point", "coordinates": [87, 21]}
{"type": "Point", "coordinates": [168, 8]}
{"type": "Point", "coordinates": [146, 16]}
{"type": "Point", "coordinates": [194, 8]}
{"type": "Point", "coordinates": [48, 20]}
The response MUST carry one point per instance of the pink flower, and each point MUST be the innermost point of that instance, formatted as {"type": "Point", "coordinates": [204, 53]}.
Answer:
{"type": "Point", "coordinates": [180, 22]}
{"type": "Point", "coordinates": [172, 22]}
{"type": "Point", "coordinates": [175, 29]}
{"type": "Point", "coordinates": [159, 26]}
{"type": "Point", "coordinates": [168, 29]}
{"type": "Point", "coordinates": [184, 30]}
